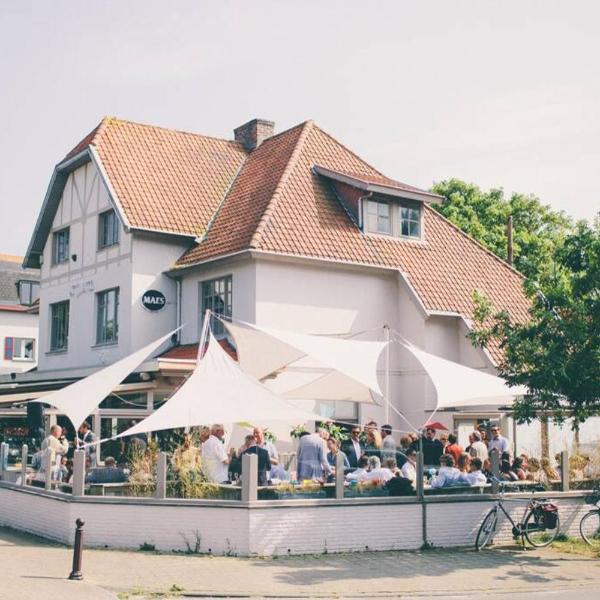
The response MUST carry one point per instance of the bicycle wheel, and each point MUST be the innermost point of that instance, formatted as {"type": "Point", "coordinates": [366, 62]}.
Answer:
{"type": "Point", "coordinates": [590, 528]}
{"type": "Point", "coordinates": [536, 531]}
{"type": "Point", "coordinates": [487, 530]}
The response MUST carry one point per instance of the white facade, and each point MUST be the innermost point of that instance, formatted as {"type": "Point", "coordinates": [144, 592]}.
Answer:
{"type": "Point", "coordinates": [134, 265]}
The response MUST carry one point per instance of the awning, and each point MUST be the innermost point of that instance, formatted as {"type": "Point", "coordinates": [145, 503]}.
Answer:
{"type": "Point", "coordinates": [458, 386]}
{"type": "Point", "coordinates": [219, 391]}
{"type": "Point", "coordinates": [81, 398]}
{"type": "Point", "coordinates": [266, 352]}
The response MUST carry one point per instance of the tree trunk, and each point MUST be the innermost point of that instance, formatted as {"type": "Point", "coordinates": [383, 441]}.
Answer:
{"type": "Point", "coordinates": [544, 438]}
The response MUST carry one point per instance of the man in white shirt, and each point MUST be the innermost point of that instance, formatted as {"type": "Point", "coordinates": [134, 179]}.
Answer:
{"type": "Point", "coordinates": [409, 468]}
{"type": "Point", "coordinates": [475, 476]}
{"type": "Point", "coordinates": [498, 442]}
{"type": "Point", "coordinates": [448, 475]}
{"type": "Point", "coordinates": [388, 448]}
{"type": "Point", "coordinates": [55, 441]}
{"type": "Point", "coordinates": [360, 473]}
{"type": "Point", "coordinates": [214, 456]}
{"type": "Point", "coordinates": [478, 448]}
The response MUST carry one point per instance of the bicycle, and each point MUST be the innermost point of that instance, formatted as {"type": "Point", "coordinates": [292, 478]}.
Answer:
{"type": "Point", "coordinates": [539, 524]}
{"type": "Point", "coordinates": [589, 526]}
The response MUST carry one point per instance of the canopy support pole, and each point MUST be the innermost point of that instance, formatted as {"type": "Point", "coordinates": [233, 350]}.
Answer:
{"type": "Point", "coordinates": [387, 373]}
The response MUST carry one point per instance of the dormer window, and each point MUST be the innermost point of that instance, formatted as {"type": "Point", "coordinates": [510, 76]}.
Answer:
{"type": "Point", "coordinates": [410, 220]}
{"type": "Point", "coordinates": [378, 217]}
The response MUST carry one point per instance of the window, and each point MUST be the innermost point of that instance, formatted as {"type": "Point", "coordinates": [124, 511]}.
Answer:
{"type": "Point", "coordinates": [59, 326]}
{"type": "Point", "coordinates": [60, 246]}
{"type": "Point", "coordinates": [28, 291]}
{"type": "Point", "coordinates": [108, 229]}
{"type": "Point", "coordinates": [410, 221]}
{"type": "Point", "coordinates": [216, 296]}
{"type": "Point", "coordinates": [107, 323]}
{"type": "Point", "coordinates": [378, 217]}
{"type": "Point", "coordinates": [19, 349]}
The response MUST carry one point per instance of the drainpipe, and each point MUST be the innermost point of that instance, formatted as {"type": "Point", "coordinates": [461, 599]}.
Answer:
{"type": "Point", "coordinates": [178, 292]}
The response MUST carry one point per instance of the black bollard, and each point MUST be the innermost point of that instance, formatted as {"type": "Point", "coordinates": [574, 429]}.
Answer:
{"type": "Point", "coordinates": [76, 573]}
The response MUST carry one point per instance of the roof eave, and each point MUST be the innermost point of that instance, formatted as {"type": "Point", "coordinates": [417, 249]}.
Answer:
{"type": "Point", "coordinates": [51, 199]}
{"type": "Point", "coordinates": [379, 188]}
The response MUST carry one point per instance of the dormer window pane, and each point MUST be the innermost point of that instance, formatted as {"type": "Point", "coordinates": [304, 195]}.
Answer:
{"type": "Point", "coordinates": [378, 217]}
{"type": "Point", "coordinates": [410, 222]}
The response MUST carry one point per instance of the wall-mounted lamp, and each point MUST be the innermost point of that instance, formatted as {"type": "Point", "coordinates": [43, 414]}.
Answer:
{"type": "Point", "coordinates": [74, 257]}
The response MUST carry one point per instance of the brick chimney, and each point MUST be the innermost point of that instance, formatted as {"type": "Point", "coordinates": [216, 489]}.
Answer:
{"type": "Point", "coordinates": [253, 133]}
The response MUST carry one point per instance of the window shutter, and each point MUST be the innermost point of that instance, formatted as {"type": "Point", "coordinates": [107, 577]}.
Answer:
{"type": "Point", "coordinates": [8, 348]}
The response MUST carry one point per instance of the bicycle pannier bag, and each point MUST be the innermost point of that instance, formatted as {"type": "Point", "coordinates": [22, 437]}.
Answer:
{"type": "Point", "coordinates": [550, 512]}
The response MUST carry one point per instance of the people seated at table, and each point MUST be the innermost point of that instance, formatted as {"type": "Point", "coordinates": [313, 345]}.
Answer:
{"type": "Point", "coordinates": [352, 448]}
{"type": "Point", "coordinates": [400, 486]}
{"type": "Point", "coordinates": [463, 462]}
{"type": "Point", "coordinates": [453, 447]}
{"type": "Point", "coordinates": [409, 468]}
{"type": "Point", "coordinates": [432, 448]}
{"type": "Point", "coordinates": [109, 473]}
{"type": "Point", "coordinates": [376, 472]}
{"type": "Point", "coordinates": [214, 456]}
{"type": "Point", "coordinates": [518, 470]}
{"type": "Point", "coordinates": [311, 458]}
{"type": "Point", "coordinates": [391, 464]}
{"type": "Point", "coordinates": [361, 470]}
{"type": "Point", "coordinates": [506, 470]}
{"type": "Point", "coordinates": [475, 476]}
{"type": "Point", "coordinates": [333, 447]}
{"type": "Point", "coordinates": [264, 462]}
{"type": "Point", "coordinates": [448, 475]}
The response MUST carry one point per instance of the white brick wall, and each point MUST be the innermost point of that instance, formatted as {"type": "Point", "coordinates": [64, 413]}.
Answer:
{"type": "Point", "coordinates": [270, 528]}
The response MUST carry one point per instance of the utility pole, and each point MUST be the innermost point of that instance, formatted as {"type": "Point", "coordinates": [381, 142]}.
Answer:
{"type": "Point", "coordinates": [509, 239]}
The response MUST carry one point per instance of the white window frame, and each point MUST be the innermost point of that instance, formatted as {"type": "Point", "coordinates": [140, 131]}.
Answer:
{"type": "Point", "coordinates": [374, 213]}
{"type": "Point", "coordinates": [21, 343]}
{"type": "Point", "coordinates": [108, 229]}
{"type": "Point", "coordinates": [53, 323]}
{"type": "Point", "coordinates": [103, 318]}
{"type": "Point", "coordinates": [226, 310]}
{"type": "Point", "coordinates": [57, 258]}
{"type": "Point", "coordinates": [418, 221]}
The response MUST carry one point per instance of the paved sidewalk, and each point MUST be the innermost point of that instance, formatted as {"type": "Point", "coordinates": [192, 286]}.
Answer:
{"type": "Point", "coordinates": [32, 568]}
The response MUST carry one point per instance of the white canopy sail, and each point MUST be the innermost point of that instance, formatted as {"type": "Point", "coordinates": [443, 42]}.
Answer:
{"type": "Point", "coordinates": [218, 391]}
{"type": "Point", "coordinates": [458, 386]}
{"type": "Point", "coordinates": [81, 398]}
{"type": "Point", "coordinates": [263, 351]}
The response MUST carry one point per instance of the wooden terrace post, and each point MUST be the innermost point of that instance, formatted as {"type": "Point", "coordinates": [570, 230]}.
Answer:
{"type": "Point", "coordinates": [564, 471]}
{"type": "Point", "coordinates": [78, 473]}
{"type": "Point", "coordinates": [495, 462]}
{"type": "Point", "coordinates": [24, 454]}
{"type": "Point", "coordinates": [48, 462]}
{"type": "Point", "coordinates": [3, 460]}
{"type": "Point", "coordinates": [161, 476]}
{"type": "Point", "coordinates": [339, 476]}
{"type": "Point", "coordinates": [249, 477]}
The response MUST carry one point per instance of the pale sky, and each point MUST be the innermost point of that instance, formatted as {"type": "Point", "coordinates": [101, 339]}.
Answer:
{"type": "Point", "coordinates": [503, 93]}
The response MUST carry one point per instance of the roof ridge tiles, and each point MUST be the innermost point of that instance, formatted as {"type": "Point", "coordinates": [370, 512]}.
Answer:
{"type": "Point", "coordinates": [267, 213]}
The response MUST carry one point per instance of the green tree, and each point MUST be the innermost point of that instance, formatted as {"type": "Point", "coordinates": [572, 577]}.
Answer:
{"type": "Point", "coordinates": [537, 229]}
{"type": "Point", "coordinates": [556, 354]}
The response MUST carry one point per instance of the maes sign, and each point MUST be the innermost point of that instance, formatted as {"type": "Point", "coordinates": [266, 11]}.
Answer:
{"type": "Point", "coordinates": [153, 300]}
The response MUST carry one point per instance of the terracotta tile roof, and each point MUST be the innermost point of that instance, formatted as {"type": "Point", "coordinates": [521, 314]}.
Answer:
{"type": "Point", "coordinates": [271, 199]}
{"type": "Point", "coordinates": [190, 351]}
{"type": "Point", "coordinates": [298, 213]}
{"type": "Point", "coordinates": [165, 180]}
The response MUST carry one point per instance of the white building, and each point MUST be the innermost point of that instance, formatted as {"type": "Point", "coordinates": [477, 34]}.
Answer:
{"type": "Point", "coordinates": [19, 291]}
{"type": "Point", "coordinates": [290, 230]}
